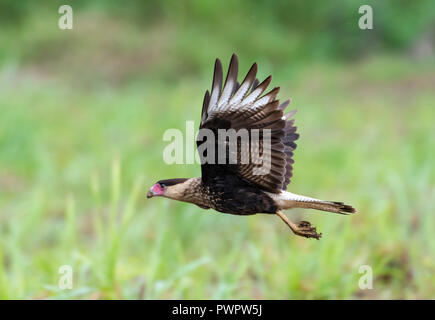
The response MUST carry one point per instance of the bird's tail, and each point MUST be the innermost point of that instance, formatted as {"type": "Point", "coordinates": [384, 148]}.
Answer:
{"type": "Point", "coordinates": [331, 206]}
{"type": "Point", "coordinates": [288, 200]}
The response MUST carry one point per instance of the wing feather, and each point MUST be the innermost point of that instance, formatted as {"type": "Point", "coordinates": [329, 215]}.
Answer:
{"type": "Point", "coordinates": [256, 92]}
{"type": "Point", "coordinates": [230, 83]}
{"type": "Point", "coordinates": [245, 86]}
{"type": "Point", "coordinates": [243, 106]}
{"type": "Point", "coordinates": [216, 86]}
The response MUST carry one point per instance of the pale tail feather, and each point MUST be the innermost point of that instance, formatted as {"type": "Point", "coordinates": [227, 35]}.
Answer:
{"type": "Point", "coordinates": [288, 200]}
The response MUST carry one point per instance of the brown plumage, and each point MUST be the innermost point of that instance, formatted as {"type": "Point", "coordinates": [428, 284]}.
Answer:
{"type": "Point", "coordinates": [246, 178]}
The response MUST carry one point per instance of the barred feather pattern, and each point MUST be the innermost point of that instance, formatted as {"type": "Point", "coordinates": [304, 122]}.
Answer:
{"type": "Point", "coordinates": [245, 105]}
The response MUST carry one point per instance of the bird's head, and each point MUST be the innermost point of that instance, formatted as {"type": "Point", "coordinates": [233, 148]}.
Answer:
{"type": "Point", "coordinates": [169, 188]}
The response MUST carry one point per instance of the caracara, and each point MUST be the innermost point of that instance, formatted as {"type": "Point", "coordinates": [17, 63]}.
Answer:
{"type": "Point", "coordinates": [234, 186]}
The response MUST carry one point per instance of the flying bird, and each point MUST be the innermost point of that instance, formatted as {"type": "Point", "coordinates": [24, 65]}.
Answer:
{"type": "Point", "coordinates": [235, 187]}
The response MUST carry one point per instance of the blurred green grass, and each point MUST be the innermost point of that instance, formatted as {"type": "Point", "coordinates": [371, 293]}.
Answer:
{"type": "Point", "coordinates": [82, 118]}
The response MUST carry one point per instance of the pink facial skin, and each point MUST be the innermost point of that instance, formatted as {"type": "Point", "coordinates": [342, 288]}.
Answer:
{"type": "Point", "coordinates": [155, 190]}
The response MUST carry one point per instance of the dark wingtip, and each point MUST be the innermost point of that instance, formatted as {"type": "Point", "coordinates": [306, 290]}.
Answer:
{"type": "Point", "coordinates": [275, 91]}
{"type": "Point", "coordinates": [234, 60]}
{"type": "Point", "coordinates": [217, 66]}
{"type": "Point", "coordinates": [283, 105]}
{"type": "Point", "coordinates": [345, 208]}
{"type": "Point", "coordinates": [254, 68]}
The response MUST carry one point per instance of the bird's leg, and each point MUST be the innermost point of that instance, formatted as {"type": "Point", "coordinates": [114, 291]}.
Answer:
{"type": "Point", "coordinates": [303, 229]}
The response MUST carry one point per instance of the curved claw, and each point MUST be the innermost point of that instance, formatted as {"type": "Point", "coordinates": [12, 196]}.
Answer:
{"type": "Point", "coordinates": [306, 230]}
{"type": "Point", "coordinates": [303, 229]}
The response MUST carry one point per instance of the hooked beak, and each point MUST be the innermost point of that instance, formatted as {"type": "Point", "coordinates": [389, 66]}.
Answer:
{"type": "Point", "coordinates": [155, 190]}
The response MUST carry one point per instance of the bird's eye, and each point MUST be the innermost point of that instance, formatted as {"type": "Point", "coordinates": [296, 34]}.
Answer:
{"type": "Point", "coordinates": [162, 185]}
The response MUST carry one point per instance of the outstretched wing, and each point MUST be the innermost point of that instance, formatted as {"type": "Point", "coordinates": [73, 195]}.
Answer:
{"type": "Point", "coordinates": [243, 106]}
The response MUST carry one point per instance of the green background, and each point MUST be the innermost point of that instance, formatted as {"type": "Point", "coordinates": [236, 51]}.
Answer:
{"type": "Point", "coordinates": [82, 116]}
